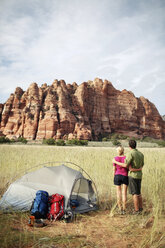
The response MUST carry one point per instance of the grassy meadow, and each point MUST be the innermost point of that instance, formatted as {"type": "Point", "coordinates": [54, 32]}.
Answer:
{"type": "Point", "coordinates": [103, 228]}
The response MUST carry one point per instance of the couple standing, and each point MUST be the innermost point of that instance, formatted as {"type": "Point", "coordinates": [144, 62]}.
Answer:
{"type": "Point", "coordinates": [133, 162]}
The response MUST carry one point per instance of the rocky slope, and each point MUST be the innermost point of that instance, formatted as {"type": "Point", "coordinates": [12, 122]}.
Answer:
{"type": "Point", "coordinates": [88, 111]}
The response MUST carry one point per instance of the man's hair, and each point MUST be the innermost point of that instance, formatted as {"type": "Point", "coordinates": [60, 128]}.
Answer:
{"type": "Point", "coordinates": [132, 144]}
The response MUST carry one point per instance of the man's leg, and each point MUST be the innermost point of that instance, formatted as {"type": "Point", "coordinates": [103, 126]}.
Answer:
{"type": "Point", "coordinates": [140, 202]}
{"type": "Point", "coordinates": [136, 202]}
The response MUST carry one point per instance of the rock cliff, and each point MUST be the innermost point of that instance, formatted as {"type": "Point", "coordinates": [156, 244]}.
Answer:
{"type": "Point", "coordinates": [88, 111]}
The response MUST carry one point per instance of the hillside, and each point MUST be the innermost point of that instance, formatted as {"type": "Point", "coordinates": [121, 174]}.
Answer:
{"type": "Point", "coordinates": [88, 111]}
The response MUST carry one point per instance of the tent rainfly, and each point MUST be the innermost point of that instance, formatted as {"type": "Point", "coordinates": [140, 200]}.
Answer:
{"type": "Point", "coordinates": [55, 179]}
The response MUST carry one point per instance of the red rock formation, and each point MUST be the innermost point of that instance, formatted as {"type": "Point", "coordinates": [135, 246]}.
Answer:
{"type": "Point", "coordinates": [92, 109]}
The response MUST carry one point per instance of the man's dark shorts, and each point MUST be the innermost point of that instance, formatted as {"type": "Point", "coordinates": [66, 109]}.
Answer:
{"type": "Point", "coordinates": [120, 179]}
{"type": "Point", "coordinates": [134, 186]}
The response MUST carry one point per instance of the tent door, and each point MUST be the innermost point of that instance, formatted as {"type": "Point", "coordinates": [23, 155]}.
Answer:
{"type": "Point", "coordinates": [82, 195]}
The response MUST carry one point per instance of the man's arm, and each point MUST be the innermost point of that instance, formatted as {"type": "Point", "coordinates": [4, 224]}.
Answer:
{"type": "Point", "coordinates": [126, 163]}
{"type": "Point", "coordinates": [119, 163]}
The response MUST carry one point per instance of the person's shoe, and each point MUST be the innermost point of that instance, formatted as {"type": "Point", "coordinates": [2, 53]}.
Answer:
{"type": "Point", "coordinates": [140, 210]}
{"type": "Point", "coordinates": [136, 212]}
{"type": "Point", "coordinates": [39, 223]}
{"type": "Point", "coordinates": [118, 211]}
{"type": "Point", "coordinates": [123, 212]}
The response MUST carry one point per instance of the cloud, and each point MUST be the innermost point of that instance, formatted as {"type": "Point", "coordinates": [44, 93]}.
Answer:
{"type": "Point", "coordinates": [122, 41]}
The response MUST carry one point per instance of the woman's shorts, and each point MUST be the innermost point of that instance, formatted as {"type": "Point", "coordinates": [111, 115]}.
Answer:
{"type": "Point", "coordinates": [134, 186]}
{"type": "Point", "coordinates": [120, 179]}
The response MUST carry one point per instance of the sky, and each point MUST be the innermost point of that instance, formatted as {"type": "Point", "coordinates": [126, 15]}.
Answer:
{"type": "Point", "coordinates": [122, 41]}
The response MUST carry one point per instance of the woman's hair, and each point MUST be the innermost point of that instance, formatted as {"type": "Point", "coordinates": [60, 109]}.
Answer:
{"type": "Point", "coordinates": [120, 150]}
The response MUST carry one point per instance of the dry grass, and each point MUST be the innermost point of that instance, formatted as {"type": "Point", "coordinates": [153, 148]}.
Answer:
{"type": "Point", "coordinates": [100, 229]}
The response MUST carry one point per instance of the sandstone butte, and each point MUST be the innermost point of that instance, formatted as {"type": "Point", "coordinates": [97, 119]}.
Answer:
{"type": "Point", "coordinates": [88, 111]}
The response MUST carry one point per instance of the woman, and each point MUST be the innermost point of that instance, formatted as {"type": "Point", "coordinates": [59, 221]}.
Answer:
{"type": "Point", "coordinates": [121, 180]}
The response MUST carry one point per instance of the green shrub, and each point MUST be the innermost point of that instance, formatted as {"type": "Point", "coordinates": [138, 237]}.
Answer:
{"type": "Point", "coordinates": [83, 142]}
{"type": "Point", "coordinates": [3, 139]}
{"type": "Point", "coordinates": [114, 136]}
{"type": "Point", "coordinates": [151, 140]}
{"type": "Point", "coordinates": [161, 143]}
{"type": "Point", "coordinates": [60, 142]}
{"type": "Point", "coordinates": [115, 142]}
{"type": "Point", "coordinates": [148, 139]}
{"type": "Point", "coordinates": [69, 142]}
{"type": "Point", "coordinates": [22, 140]}
{"type": "Point", "coordinates": [104, 139]}
{"type": "Point", "coordinates": [7, 140]}
{"type": "Point", "coordinates": [50, 141]}
{"type": "Point", "coordinates": [123, 137]}
{"type": "Point", "coordinates": [77, 142]}
{"type": "Point", "coordinates": [73, 142]}
{"type": "Point", "coordinates": [118, 136]}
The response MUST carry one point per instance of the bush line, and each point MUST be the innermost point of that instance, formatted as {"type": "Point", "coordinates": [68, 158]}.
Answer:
{"type": "Point", "coordinates": [114, 138]}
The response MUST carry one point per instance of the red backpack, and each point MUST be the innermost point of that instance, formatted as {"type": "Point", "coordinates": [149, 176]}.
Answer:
{"type": "Point", "coordinates": [56, 209]}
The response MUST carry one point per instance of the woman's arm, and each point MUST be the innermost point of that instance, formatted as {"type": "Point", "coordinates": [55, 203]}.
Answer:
{"type": "Point", "coordinates": [118, 163]}
{"type": "Point", "coordinates": [114, 170]}
{"type": "Point", "coordinates": [133, 169]}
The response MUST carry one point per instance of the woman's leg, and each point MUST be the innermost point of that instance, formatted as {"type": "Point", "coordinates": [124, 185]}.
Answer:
{"type": "Point", "coordinates": [124, 196]}
{"type": "Point", "coordinates": [119, 196]}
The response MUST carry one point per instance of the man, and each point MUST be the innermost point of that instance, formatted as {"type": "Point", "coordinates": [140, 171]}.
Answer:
{"type": "Point", "coordinates": [134, 161]}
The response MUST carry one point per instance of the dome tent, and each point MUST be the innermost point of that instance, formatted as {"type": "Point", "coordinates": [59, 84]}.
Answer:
{"type": "Point", "coordinates": [59, 179]}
